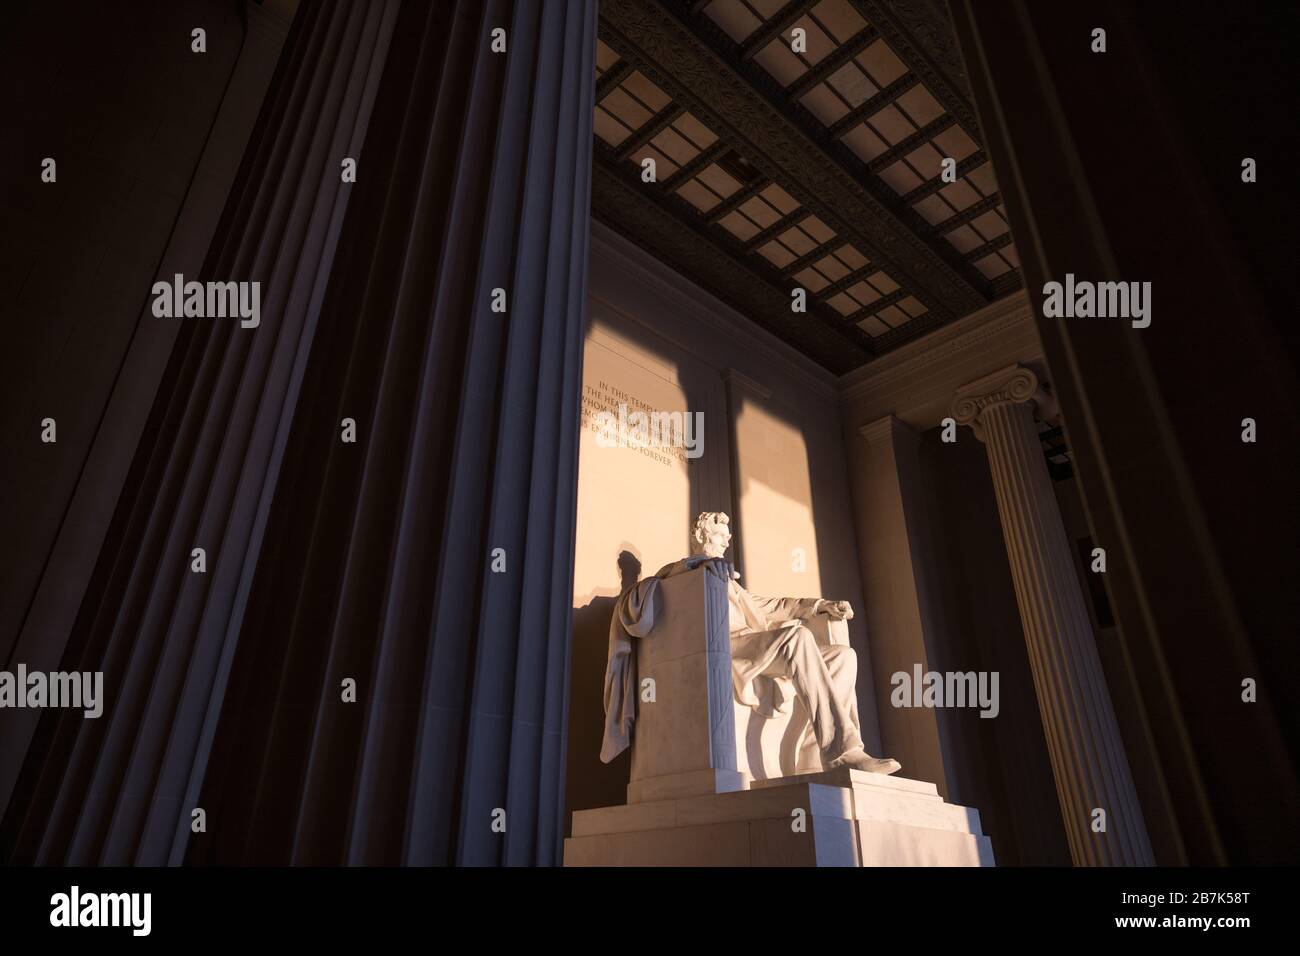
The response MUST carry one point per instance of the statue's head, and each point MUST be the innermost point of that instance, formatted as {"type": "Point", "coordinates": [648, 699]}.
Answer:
{"type": "Point", "coordinates": [712, 534]}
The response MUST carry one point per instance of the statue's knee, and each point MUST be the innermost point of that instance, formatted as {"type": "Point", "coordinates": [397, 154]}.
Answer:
{"type": "Point", "coordinates": [800, 640]}
{"type": "Point", "coordinates": [839, 657]}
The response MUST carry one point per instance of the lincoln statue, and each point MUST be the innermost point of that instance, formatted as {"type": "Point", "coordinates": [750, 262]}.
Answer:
{"type": "Point", "coordinates": [774, 657]}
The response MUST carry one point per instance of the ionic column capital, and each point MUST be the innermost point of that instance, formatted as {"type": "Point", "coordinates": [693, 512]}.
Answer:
{"type": "Point", "coordinates": [1013, 385]}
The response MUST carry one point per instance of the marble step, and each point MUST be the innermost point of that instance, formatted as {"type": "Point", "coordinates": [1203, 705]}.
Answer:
{"type": "Point", "coordinates": [837, 794]}
{"type": "Point", "coordinates": [848, 819]}
{"type": "Point", "coordinates": [847, 777]}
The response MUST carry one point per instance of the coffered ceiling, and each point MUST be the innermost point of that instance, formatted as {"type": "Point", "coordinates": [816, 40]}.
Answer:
{"type": "Point", "coordinates": [818, 169]}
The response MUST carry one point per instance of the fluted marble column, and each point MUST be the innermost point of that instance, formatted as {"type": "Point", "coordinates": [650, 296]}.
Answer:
{"type": "Point", "coordinates": [372, 666]}
{"type": "Point", "coordinates": [121, 789]}
{"type": "Point", "coordinates": [1088, 759]}
{"type": "Point", "coordinates": [430, 561]}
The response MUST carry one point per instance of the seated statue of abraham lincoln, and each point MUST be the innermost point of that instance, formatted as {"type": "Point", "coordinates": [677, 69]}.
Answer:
{"type": "Point", "coordinates": [772, 651]}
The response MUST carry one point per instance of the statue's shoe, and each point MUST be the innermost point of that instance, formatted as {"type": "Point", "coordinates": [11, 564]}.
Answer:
{"type": "Point", "coordinates": [859, 759]}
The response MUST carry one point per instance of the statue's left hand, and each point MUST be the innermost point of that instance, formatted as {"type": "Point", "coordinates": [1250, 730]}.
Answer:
{"type": "Point", "coordinates": [837, 610]}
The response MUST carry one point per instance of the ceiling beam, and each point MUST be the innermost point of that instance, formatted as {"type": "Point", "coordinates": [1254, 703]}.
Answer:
{"type": "Point", "coordinates": [993, 245]}
{"type": "Point", "coordinates": [874, 105]}
{"type": "Point", "coordinates": [649, 130]}
{"type": "Point", "coordinates": [909, 143]}
{"type": "Point", "coordinates": [762, 238]}
{"type": "Point", "coordinates": [847, 282]}
{"type": "Point", "coordinates": [733, 202]}
{"type": "Point", "coordinates": [702, 161]}
{"type": "Point", "coordinates": [921, 35]}
{"type": "Point", "coordinates": [932, 186]}
{"type": "Point", "coordinates": [827, 65]}
{"type": "Point", "coordinates": [715, 89]}
{"type": "Point", "coordinates": [776, 25]}
{"type": "Point", "coordinates": [880, 305]}
{"type": "Point", "coordinates": [670, 228]}
{"type": "Point", "coordinates": [611, 78]}
{"type": "Point", "coordinates": [969, 214]}
{"type": "Point", "coordinates": [811, 258]}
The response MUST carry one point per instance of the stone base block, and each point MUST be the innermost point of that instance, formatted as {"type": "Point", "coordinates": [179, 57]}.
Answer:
{"type": "Point", "coordinates": [848, 818]}
{"type": "Point", "coordinates": [675, 786]}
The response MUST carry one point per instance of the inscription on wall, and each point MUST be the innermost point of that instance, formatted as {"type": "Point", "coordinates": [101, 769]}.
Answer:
{"type": "Point", "coordinates": [602, 396]}
{"type": "Point", "coordinates": [634, 498]}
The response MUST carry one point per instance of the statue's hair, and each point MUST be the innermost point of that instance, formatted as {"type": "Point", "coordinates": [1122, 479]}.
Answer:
{"type": "Point", "coordinates": [707, 523]}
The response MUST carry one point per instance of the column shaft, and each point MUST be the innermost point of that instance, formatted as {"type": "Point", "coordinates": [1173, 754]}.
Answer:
{"type": "Point", "coordinates": [900, 607]}
{"type": "Point", "coordinates": [431, 561]}
{"type": "Point", "coordinates": [120, 789]}
{"type": "Point", "coordinates": [1083, 738]}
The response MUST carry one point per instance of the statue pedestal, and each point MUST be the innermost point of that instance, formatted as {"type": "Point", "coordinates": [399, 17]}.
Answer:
{"type": "Point", "coordinates": [849, 818]}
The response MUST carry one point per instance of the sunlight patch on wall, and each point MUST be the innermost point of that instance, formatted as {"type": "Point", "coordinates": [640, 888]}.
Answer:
{"type": "Point", "coordinates": [776, 518]}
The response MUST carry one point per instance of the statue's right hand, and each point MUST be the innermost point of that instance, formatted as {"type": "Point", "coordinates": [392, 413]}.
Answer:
{"type": "Point", "coordinates": [838, 610]}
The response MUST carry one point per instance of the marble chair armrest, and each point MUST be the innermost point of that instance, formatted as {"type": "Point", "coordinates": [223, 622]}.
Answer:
{"type": "Point", "coordinates": [826, 631]}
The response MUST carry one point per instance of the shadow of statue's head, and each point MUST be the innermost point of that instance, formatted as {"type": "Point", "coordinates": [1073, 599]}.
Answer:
{"type": "Point", "coordinates": [629, 569]}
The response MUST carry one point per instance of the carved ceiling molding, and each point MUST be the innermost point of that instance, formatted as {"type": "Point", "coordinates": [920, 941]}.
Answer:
{"type": "Point", "coordinates": [1003, 329]}
{"type": "Point", "coordinates": [920, 391]}
{"type": "Point", "coordinates": [618, 203]}
{"type": "Point", "coordinates": [686, 68]}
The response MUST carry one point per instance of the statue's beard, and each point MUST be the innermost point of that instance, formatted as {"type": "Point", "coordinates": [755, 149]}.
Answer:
{"type": "Point", "coordinates": [709, 550]}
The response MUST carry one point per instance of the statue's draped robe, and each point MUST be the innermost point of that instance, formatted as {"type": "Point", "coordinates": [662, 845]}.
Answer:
{"type": "Point", "coordinates": [757, 626]}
